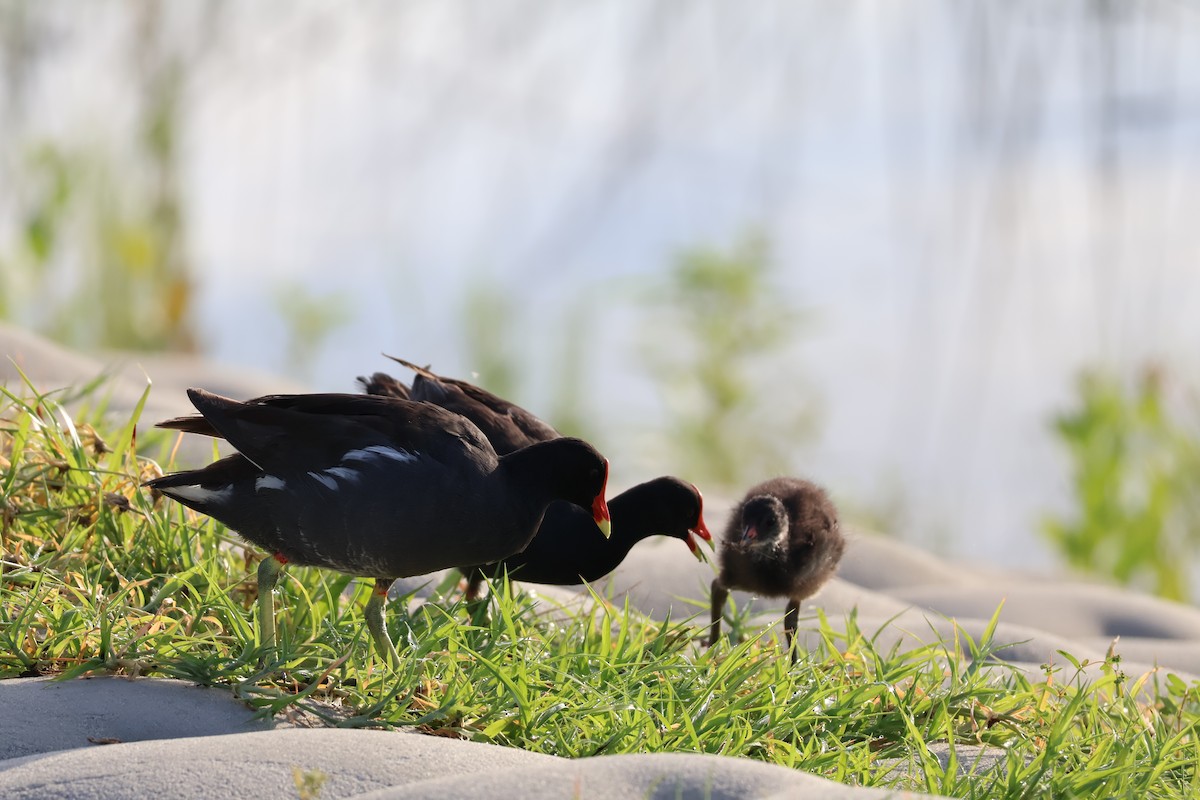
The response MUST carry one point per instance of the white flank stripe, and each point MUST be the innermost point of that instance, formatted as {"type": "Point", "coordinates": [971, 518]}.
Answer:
{"type": "Point", "coordinates": [324, 479]}
{"type": "Point", "coordinates": [379, 451]}
{"type": "Point", "coordinates": [269, 482]}
{"type": "Point", "coordinates": [348, 474]}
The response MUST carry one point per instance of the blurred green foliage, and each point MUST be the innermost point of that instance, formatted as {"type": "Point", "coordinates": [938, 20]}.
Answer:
{"type": "Point", "coordinates": [489, 320]}
{"type": "Point", "coordinates": [487, 311]}
{"type": "Point", "coordinates": [98, 263]}
{"type": "Point", "coordinates": [311, 317]}
{"type": "Point", "coordinates": [1136, 486]}
{"type": "Point", "coordinates": [736, 408]}
{"type": "Point", "coordinates": [100, 256]}
{"type": "Point", "coordinates": [569, 406]}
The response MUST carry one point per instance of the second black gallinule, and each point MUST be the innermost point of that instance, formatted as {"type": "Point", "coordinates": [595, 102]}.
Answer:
{"type": "Point", "coordinates": [567, 549]}
{"type": "Point", "coordinates": [783, 540]}
{"type": "Point", "coordinates": [376, 487]}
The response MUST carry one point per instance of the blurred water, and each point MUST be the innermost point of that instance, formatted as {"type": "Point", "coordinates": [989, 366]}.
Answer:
{"type": "Point", "coordinates": [974, 199]}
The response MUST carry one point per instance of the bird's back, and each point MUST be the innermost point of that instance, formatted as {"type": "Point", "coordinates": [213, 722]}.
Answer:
{"type": "Point", "coordinates": [353, 483]}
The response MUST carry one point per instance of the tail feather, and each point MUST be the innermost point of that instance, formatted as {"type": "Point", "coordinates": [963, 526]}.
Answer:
{"type": "Point", "coordinates": [222, 472]}
{"type": "Point", "coordinates": [192, 424]}
{"type": "Point", "coordinates": [424, 372]}
{"type": "Point", "coordinates": [381, 384]}
{"type": "Point", "coordinates": [205, 403]}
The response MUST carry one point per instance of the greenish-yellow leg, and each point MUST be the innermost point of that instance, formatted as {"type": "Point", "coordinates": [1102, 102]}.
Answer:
{"type": "Point", "coordinates": [269, 571]}
{"type": "Point", "coordinates": [373, 612]}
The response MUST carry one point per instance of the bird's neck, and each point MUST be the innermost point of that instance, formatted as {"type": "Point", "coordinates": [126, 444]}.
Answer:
{"type": "Point", "coordinates": [541, 476]}
{"type": "Point", "coordinates": [632, 521]}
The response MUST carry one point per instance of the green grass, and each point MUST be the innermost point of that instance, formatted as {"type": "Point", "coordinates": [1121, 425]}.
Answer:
{"type": "Point", "coordinates": [99, 577]}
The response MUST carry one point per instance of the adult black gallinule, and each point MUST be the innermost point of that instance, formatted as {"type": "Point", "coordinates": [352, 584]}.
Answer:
{"type": "Point", "coordinates": [782, 540]}
{"type": "Point", "coordinates": [566, 550]}
{"type": "Point", "coordinates": [376, 487]}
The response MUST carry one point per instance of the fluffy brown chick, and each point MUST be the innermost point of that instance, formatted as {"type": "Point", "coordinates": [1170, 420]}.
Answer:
{"type": "Point", "coordinates": [782, 540]}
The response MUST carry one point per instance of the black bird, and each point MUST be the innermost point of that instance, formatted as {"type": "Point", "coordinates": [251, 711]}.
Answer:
{"type": "Point", "coordinates": [782, 540]}
{"type": "Point", "coordinates": [565, 551]}
{"type": "Point", "coordinates": [375, 487]}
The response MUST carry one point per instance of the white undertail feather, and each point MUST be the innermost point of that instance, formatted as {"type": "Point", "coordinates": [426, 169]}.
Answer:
{"type": "Point", "coordinates": [198, 494]}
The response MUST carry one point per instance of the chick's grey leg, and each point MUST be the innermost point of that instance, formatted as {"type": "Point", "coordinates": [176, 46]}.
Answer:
{"type": "Point", "coordinates": [790, 618]}
{"type": "Point", "coordinates": [719, 595]}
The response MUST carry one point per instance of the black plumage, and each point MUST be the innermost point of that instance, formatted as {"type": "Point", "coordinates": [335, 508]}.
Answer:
{"type": "Point", "coordinates": [565, 552]}
{"type": "Point", "coordinates": [506, 425]}
{"type": "Point", "coordinates": [383, 385]}
{"type": "Point", "coordinates": [782, 540]}
{"type": "Point", "coordinates": [567, 549]}
{"type": "Point", "coordinates": [381, 488]}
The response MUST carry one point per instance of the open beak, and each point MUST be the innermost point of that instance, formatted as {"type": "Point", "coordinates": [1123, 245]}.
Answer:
{"type": "Point", "coordinates": [600, 508]}
{"type": "Point", "coordinates": [749, 533]}
{"type": "Point", "coordinates": [701, 531]}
